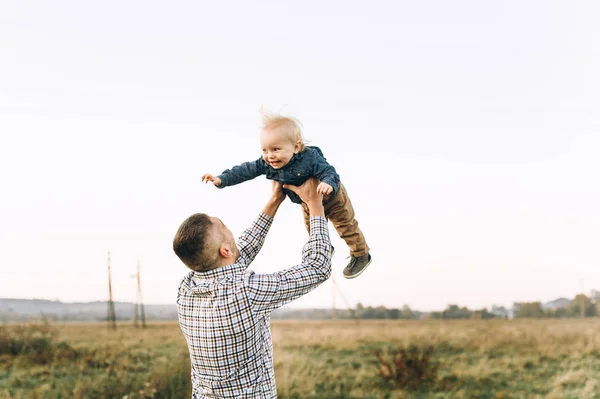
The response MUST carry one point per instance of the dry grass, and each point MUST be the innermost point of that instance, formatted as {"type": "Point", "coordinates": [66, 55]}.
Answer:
{"type": "Point", "coordinates": [485, 358]}
{"type": "Point", "coordinates": [549, 336]}
{"type": "Point", "coordinates": [320, 359]}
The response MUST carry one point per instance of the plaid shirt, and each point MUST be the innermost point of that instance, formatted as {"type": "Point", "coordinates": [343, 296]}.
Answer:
{"type": "Point", "coordinates": [224, 314]}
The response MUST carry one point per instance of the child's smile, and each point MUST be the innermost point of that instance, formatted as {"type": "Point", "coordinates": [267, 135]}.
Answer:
{"type": "Point", "coordinates": [277, 149]}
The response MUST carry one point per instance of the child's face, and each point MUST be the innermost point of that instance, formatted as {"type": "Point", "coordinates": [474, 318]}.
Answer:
{"type": "Point", "coordinates": [277, 148]}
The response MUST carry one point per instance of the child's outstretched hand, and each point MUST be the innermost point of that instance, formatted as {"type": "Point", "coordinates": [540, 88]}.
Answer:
{"type": "Point", "coordinates": [210, 178]}
{"type": "Point", "coordinates": [324, 188]}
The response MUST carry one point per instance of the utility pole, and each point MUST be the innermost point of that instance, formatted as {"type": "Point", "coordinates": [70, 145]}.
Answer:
{"type": "Point", "coordinates": [111, 318]}
{"type": "Point", "coordinates": [139, 303]}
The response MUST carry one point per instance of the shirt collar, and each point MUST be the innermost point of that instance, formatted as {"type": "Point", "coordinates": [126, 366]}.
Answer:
{"type": "Point", "coordinates": [217, 273]}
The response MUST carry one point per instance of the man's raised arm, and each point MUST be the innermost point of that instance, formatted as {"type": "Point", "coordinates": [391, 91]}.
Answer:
{"type": "Point", "coordinates": [267, 292]}
{"type": "Point", "coordinates": [251, 240]}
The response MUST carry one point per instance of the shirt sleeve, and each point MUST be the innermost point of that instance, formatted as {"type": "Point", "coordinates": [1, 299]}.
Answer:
{"type": "Point", "coordinates": [325, 172]}
{"type": "Point", "coordinates": [241, 173]}
{"type": "Point", "coordinates": [252, 240]}
{"type": "Point", "coordinates": [267, 292]}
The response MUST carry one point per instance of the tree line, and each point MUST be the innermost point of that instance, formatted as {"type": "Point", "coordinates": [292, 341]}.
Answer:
{"type": "Point", "coordinates": [572, 308]}
{"type": "Point", "coordinates": [580, 306]}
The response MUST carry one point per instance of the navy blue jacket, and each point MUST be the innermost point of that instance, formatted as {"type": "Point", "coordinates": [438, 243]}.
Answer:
{"type": "Point", "coordinates": [303, 165]}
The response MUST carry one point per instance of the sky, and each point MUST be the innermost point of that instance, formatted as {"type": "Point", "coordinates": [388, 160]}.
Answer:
{"type": "Point", "coordinates": [466, 133]}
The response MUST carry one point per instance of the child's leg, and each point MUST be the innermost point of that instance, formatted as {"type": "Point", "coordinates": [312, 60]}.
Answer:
{"type": "Point", "coordinates": [339, 210]}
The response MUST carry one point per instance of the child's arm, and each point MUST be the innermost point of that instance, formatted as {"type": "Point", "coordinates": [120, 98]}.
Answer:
{"type": "Point", "coordinates": [210, 178]}
{"type": "Point", "coordinates": [238, 174]}
{"type": "Point", "coordinates": [322, 170]}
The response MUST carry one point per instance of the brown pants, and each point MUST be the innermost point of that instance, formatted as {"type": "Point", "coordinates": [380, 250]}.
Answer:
{"type": "Point", "coordinates": [339, 210]}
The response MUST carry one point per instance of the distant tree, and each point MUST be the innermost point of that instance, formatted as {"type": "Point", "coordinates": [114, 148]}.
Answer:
{"type": "Point", "coordinates": [454, 312]}
{"type": "Point", "coordinates": [558, 313]}
{"type": "Point", "coordinates": [529, 309]}
{"type": "Point", "coordinates": [407, 313]}
{"type": "Point", "coordinates": [394, 314]}
{"type": "Point", "coordinates": [435, 315]}
{"type": "Point", "coordinates": [369, 313]}
{"type": "Point", "coordinates": [381, 312]}
{"type": "Point", "coordinates": [482, 314]}
{"type": "Point", "coordinates": [574, 308]}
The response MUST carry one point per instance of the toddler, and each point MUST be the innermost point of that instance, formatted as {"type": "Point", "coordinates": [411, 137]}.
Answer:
{"type": "Point", "coordinates": [286, 159]}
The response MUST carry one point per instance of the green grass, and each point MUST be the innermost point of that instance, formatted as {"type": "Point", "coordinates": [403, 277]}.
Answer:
{"type": "Point", "coordinates": [313, 359]}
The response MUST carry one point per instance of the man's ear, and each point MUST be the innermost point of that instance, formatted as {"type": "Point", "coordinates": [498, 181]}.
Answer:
{"type": "Point", "coordinates": [225, 251]}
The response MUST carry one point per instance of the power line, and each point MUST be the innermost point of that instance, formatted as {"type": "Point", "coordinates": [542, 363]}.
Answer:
{"type": "Point", "coordinates": [350, 308]}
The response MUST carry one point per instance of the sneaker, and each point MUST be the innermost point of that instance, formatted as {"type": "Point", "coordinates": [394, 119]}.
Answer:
{"type": "Point", "coordinates": [357, 265]}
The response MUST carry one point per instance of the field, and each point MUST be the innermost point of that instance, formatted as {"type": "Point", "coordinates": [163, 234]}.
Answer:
{"type": "Point", "coordinates": [316, 359]}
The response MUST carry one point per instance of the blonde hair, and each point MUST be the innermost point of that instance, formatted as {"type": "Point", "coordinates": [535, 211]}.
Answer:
{"type": "Point", "coordinates": [288, 126]}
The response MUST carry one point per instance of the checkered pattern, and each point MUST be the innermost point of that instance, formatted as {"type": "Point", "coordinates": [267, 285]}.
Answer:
{"type": "Point", "coordinates": [224, 314]}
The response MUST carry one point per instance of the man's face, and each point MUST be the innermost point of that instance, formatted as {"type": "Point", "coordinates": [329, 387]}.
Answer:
{"type": "Point", "coordinates": [225, 233]}
{"type": "Point", "coordinates": [277, 149]}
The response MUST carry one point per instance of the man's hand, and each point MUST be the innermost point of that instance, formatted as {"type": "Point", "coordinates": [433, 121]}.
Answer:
{"type": "Point", "coordinates": [324, 188]}
{"type": "Point", "coordinates": [277, 197]}
{"type": "Point", "coordinates": [278, 194]}
{"type": "Point", "coordinates": [210, 178]}
{"type": "Point", "coordinates": [309, 195]}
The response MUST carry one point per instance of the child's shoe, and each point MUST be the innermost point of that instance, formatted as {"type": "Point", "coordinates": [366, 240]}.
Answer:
{"type": "Point", "coordinates": [357, 265]}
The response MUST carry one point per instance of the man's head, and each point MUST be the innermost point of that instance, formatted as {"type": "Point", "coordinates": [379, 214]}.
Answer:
{"type": "Point", "coordinates": [280, 139]}
{"type": "Point", "coordinates": [204, 243]}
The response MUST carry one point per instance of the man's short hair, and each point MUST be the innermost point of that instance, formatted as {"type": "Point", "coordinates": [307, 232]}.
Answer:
{"type": "Point", "coordinates": [197, 243]}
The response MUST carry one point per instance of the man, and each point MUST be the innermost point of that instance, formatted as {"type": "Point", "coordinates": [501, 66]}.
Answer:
{"type": "Point", "coordinates": [224, 309]}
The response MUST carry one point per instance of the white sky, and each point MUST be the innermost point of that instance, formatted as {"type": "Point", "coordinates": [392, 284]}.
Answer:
{"type": "Point", "coordinates": [467, 134]}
